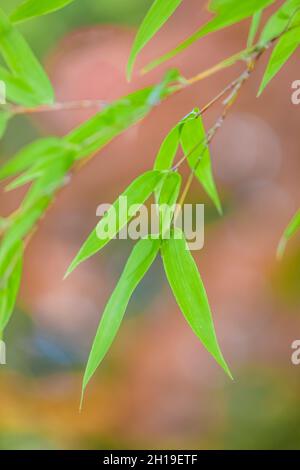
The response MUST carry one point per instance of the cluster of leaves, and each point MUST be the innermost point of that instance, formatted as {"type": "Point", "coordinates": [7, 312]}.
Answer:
{"type": "Point", "coordinates": [47, 163]}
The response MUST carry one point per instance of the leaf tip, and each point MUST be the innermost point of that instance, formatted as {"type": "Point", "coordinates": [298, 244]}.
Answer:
{"type": "Point", "coordinates": [69, 271]}
{"type": "Point", "coordinates": [281, 248]}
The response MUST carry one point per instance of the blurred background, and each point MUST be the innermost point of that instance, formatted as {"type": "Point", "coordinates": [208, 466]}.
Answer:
{"type": "Point", "coordinates": [158, 387]}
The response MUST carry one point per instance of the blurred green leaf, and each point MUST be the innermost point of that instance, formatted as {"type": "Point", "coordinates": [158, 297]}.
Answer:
{"type": "Point", "coordinates": [280, 20]}
{"type": "Point", "coordinates": [159, 13]}
{"type": "Point", "coordinates": [292, 228]}
{"type": "Point", "coordinates": [114, 119]}
{"type": "Point", "coordinates": [52, 177]}
{"type": "Point", "coordinates": [31, 8]}
{"type": "Point", "coordinates": [35, 153]}
{"type": "Point", "coordinates": [283, 50]}
{"type": "Point", "coordinates": [21, 223]}
{"type": "Point", "coordinates": [228, 12]}
{"type": "Point", "coordinates": [22, 62]}
{"type": "Point", "coordinates": [118, 215]}
{"type": "Point", "coordinates": [194, 144]}
{"type": "Point", "coordinates": [140, 260]}
{"type": "Point", "coordinates": [10, 277]}
{"type": "Point", "coordinates": [18, 90]}
{"type": "Point", "coordinates": [256, 19]}
{"type": "Point", "coordinates": [190, 294]}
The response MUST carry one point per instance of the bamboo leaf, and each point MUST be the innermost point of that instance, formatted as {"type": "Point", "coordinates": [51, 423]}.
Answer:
{"type": "Point", "coordinates": [140, 260]}
{"type": "Point", "coordinates": [49, 181]}
{"type": "Point", "coordinates": [10, 277]}
{"type": "Point", "coordinates": [18, 90]}
{"type": "Point", "coordinates": [292, 228]}
{"type": "Point", "coordinates": [31, 8]}
{"type": "Point", "coordinates": [194, 144]}
{"type": "Point", "coordinates": [159, 13]}
{"type": "Point", "coordinates": [283, 50]}
{"type": "Point", "coordinates": [118, 215]}
{"type": "Point", "coordinates": [22, 62]}
{"type": "Point", "coordinates": [38, 151]}
{"type": "Point", "coordinates": [169, 147]}
{"type": "Point", "coordinates": [256, 19]}
{"type": "Point", "coordinates": [287, 15]}
{"type": "Point", "coordinates": [168, 150]}
{"type": "Point", "coordinates": [21, 224]}
{"type": "Point", "coordinates": [167, 199]}
{"type": "Point", "coordinates": [116, 118]}
{"type": "Point", "coordinates": [228, 12]}
{"type": "Point", "coordinates": [190, 294]}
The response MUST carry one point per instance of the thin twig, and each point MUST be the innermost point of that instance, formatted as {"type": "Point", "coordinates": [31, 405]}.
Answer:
{"type": "Point", "coordinates": [60, 106]}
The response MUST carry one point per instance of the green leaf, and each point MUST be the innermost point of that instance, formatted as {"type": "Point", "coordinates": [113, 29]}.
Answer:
{"type": "Point", "coordinates": [18, 90]}
{"type": "Point", "coordinates": [169, 147]}
{"type": "Point", "coordinates": [190, 294]}
{"type": "Point", "coordinates": [34, 153]}
{"type": "Point", "coordinates": [168, 150]}
{"type": "Point", "coordinates": [280, 20]}
{"type": "Point", "coordinates": [51, 179]}
{"type": "Point", "coordinates": [22, 62]}
{"type": "Point", "coordinates": [283, 50]}
{"type": "Point", "coordinates": [118, 215]}
{"type": "Point", "coordinates": [31, 8]}
{"type": "Point", "coordinates": [140, 260]}
{"type": "Point", "coordinates": [194, 144]}
{"type": "Point", "coordinates": [21, 224]}
{"type": "Point", "coordinates": [159, 13]}
{"type": "Point", "coordinates": [228, 12]}
{"type": "Point", "coordinates": [256, 19]}
{"type": "Point", "coordinates": [10, 277]}
{"type": "Point", "coordinates": [113, 120]}
{"type": "Point", "coordinates": [292, 228]}
{"type": "Point", "coordinates": [167, 199]}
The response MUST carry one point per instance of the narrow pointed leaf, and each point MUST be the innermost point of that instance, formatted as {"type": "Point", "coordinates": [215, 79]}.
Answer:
{"type": "Point", "coordinates": [52, 178]}
{"type": "Point", "coordinates": [18, 90]}
{"type": "Point", "coordinates": [22, 62]}
{"type": "Point", "coordinates": [193, 141]}
{"type": "Point", "coordinates": [168, 150]}
{"type": "Point", "coordinates": [292, 228]}
{"type": "Point", "coordinates": [34, 153]}
{"type": "Point", "coordinates": [159, 13]}
{"type": "Point", "coordinates": [115, 119]}
{"type": "Point", "coordinates": [256, 19]}
{"type": "Point", "coordinates": [140, 260]}
{"type": "Point", "coordinates": [10, 277]}
{"type": "Point", "coordinates": [228, 12]}
{"type": "Point", "coordinates": [190, 294]}
{"type": "Point", "coordinates": [31, 8]}
{"type": "Point", "coordinates": [283, 50]}
{"type": "Point", "coordinates": [21, 225]}
{"type": "Point", "coordinates": [167, 199]}
{"type": "Point", "coordinates": [286, 16]}
{"type": "Point", "coordinates": [118, 215]}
